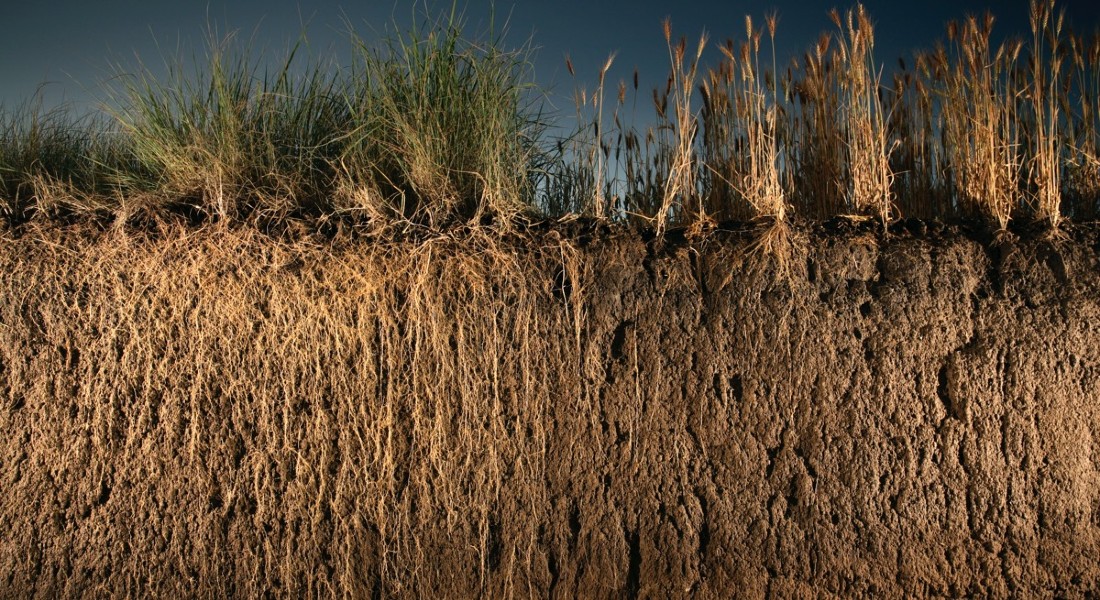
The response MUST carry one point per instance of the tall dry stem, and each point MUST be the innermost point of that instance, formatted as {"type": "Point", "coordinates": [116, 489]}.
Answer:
{"type": "Point", "coordinates": [1046, 76]}
{"type": "Point", "coordinates": [680, 186]}
{"type": "Point", "coordinates": [741, 131]}
{"type": "Point", "coordinates": [870, 179]}
{"type": "Point", "coordinates": [816, 135]}
{"type": "Point", "coordinates": [980, 122]}
{"type": "Point", "coordinates": [1082, 135]}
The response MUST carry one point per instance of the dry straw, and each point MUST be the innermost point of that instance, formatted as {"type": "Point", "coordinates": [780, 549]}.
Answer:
{"type": "Point", "coordinates": [869, 181]}
{"type": "Point", "coordinates": [741, 103]}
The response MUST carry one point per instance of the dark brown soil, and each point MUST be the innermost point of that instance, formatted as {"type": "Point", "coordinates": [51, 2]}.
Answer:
{"type": "Point", "coordinates": [910, 416]}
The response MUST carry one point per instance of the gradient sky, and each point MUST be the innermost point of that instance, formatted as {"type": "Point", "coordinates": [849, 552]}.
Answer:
{"type": "Point", "coordinates": [66, 48]}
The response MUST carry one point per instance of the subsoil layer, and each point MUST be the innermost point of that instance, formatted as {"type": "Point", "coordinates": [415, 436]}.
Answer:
{"type": "Point", "coordinates": [216, 413]}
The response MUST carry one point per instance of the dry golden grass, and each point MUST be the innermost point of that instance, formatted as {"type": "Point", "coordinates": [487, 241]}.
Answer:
{"type": "Point", "coordinates": [1045, 89]}
{"type": "Point", "coordinates": [679, 190]}
{"type": "Point", "coordinates": [815, 134]}
{"type": "Point", "coordinates": [869, 183]}
{"type": "Point", "coordinates": [1083, 139]}
{"type": "Point", "coordinates": [982, 137]}
{"type": "Point", "coordinates": [741, 106]}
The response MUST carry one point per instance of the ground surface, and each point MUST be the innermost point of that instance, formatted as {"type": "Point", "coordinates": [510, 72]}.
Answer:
{"type": "Point", "coordinates": [565, 416]}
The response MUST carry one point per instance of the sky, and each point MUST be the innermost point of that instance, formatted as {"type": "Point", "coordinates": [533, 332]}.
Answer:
{"type": "Point", "coordinates": [64, 50]}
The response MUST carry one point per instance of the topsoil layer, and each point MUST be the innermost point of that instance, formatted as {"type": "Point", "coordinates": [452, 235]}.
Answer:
{"type": "Point", "coordinates": [220, 414]}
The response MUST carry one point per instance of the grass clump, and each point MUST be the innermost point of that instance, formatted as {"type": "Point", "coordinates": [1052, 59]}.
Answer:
{"type": "Point", "coordinates": [1082, 174]}
{"type": "Point", "coordinates": [741, 109]}
{"type": "Point", "coordinates": [812, 131]}
{"type": "Point", "coordinates": [53, 163]}
{"type": "Point", "coordinates": [680, 186]}
{"type": "Point", "coordinates": [231, 141]}
{"type": "Point", "coordinates": [1046, 143]}
{"type": "Point", "coordinates": [981, 130]}
{"type": "Point", "coordinates": [441, 129]}
{"type": "Point", "coordinates": [869, 178]}
{"type": "Point", "coordinates": [428, 128]}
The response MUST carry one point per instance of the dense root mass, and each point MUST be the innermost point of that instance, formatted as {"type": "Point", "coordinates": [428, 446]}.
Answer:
{"type": "Point", "coordinates": [221, 414]}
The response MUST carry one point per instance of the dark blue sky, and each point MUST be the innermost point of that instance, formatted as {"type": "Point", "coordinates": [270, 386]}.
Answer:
{"type": "Point", "coordinates": [68, 46]}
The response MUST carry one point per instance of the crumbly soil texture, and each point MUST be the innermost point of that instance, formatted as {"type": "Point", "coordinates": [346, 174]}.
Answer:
{"type": "Point", "coordinates": [556, 414]}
